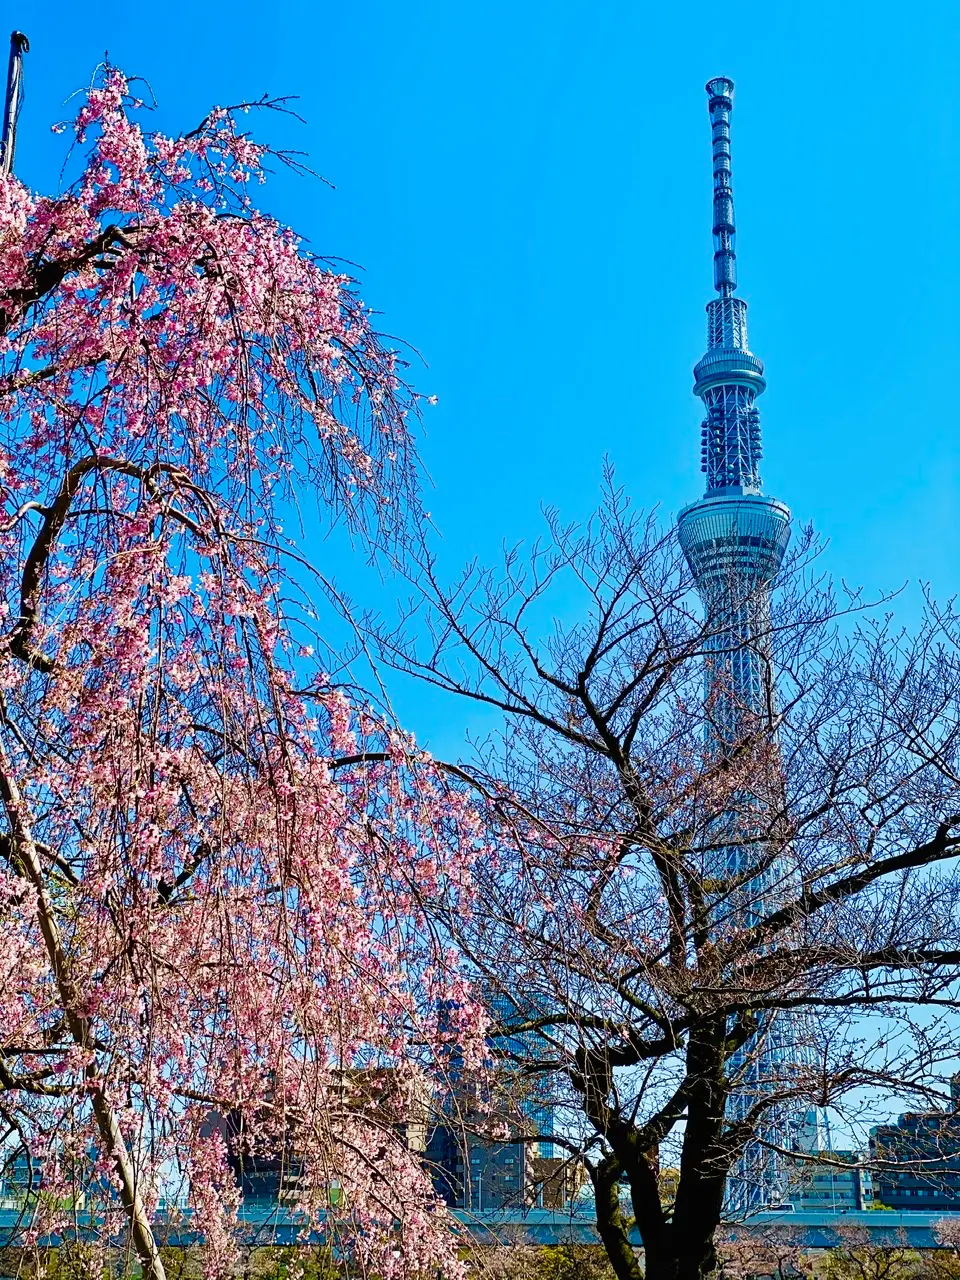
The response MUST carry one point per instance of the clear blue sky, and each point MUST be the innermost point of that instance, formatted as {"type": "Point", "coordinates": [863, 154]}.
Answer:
{"type": "Point", "coordinates": [527, 187]}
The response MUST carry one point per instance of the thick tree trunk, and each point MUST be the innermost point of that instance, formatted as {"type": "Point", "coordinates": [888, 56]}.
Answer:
{"type": "Point", "coordinates": [611, 1226]}
{"type": "Point", "coordinates": [697, 1257]}
{"type": "Point", "coordinates": [704, 1160]}
{"type": "Point", "coordinates": [28, 856]}
{"type": "Point", "coordinates": [660, 1262]}
{"type": "Point", "coordinates": [643, 1171]}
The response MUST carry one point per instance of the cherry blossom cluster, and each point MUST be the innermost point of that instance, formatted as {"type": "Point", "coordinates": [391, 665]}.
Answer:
{"type": "Point", "coordinates": [215, 888]}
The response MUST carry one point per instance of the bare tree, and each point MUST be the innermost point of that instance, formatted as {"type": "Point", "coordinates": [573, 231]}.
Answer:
{"type": "Point", "coordinates": [777, 1252]}
{"type": "Point", "coordinates": [639, 983]}
{"type": "Point", "coordinates": [857, 1257]}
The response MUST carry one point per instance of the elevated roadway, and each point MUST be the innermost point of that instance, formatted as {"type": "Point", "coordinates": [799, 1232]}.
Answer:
{"type": "Point", "coordinates": [269, 1225]}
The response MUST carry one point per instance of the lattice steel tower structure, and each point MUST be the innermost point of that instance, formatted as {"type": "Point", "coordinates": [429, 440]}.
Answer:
{"type": "Point", "coordinates": [734, 539]}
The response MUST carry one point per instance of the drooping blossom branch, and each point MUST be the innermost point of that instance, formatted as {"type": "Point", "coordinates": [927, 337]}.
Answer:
{"type": "Point", "coordinates": [205, 930]}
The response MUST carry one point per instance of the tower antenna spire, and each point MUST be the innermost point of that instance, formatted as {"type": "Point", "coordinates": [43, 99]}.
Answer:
{"type": "Point", "coordinates": [729, 377]}
{"type": "Point", "coordinates": [19, 45]}
{"type": "Point", "coordinates": [720, 90]}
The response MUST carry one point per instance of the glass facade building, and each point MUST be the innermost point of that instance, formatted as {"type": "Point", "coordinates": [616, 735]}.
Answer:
{"type": "Point", "coordinates": [472, 1173]}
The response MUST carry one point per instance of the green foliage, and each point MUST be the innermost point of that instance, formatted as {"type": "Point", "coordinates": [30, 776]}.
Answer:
{"type": "Point", "coordinates": [547, 1262]}
{"type": "Point", "coordinates": [74, 1261]}
{"type": "Point", "coordinates": [292, 1263]}
{"type": "Point", "coordinates": [761, 1258]}
{"type": "Point", "coordinates": [83, 1262]}
{"type": "Point", "coordinates": [574, 1262]}
{"type": "Point", "coordinates": [868, 1262]}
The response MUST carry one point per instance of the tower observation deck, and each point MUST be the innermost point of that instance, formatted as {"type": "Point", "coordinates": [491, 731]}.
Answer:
{"type": "Point", "coordinates": [734, 539]}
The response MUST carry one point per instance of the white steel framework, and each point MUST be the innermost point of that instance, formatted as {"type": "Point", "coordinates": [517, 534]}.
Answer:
{"type": "Point", "coordinates": [734, 539]}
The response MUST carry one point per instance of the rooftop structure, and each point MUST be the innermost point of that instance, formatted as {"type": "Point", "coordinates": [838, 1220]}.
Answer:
{"type": "Point", "coordinates": [734, 539]}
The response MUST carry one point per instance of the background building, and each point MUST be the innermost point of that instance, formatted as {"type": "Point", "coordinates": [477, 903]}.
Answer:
{"type": "Point", "coordinates": [556, 1183]}
{"type": "Point", "coordinates": [827, 1188]}
{"type": "Point", "coordinates": [269, 1172]}
{"type": "Point", "coordinates": [472, 1173]}
{"type": "Point", "coordinates": [20, 1178]}
{"type": "Point", "coordinates": [927, 1144]}
{"type": "Point", "coordinates": [479, 1176]}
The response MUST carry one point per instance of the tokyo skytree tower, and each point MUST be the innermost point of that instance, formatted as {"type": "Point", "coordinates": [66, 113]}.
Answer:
{"type": "Point", "coordinates": [734, 539]}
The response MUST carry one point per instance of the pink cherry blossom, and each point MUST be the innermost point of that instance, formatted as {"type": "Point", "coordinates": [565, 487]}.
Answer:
{"type": "Point", "coordinates": [205, 911]}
